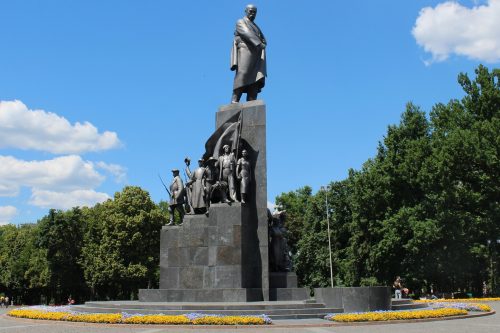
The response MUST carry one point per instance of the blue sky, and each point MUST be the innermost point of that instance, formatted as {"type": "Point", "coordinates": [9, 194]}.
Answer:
{"type": "Point", "coordinates": [96, 95]}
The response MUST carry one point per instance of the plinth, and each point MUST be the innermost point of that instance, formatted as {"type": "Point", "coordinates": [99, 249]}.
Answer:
{"type": "Point", "coordinates": [222, 257]}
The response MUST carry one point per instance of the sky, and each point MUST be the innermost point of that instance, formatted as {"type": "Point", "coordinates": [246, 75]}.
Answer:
{"type": "Point", "coordinates": [96, 95]}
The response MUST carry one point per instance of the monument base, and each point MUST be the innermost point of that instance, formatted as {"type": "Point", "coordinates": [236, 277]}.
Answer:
{"type": "Point", "coordinates": [201, 295]}
{"type": "Point", "coordinates": [282, 280]}
{"type": "Point", "coordinates": [355, 299]}
{"type": "Point", "coordinates": [212, 258]}
{"type": "Point", "coordinates": [283, 287]}
{"type": "Point", "coordinates": [275, 310]}
{"type": "Point", "coordinates": [288, 294]}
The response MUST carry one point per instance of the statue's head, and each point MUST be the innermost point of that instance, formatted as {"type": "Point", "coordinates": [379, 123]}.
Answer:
{"type": "Point", "coordinates": [244, 153]}
{"type": "Point", "coordinates": [226, 148]}
{"type": "Point", "coordinates": [200, 162]}
{"type": "Point", "coordinates": [251, 12]}
{"type": "Point", "coordinates": [175, 172]}
{"type": "Point", "coordinates": [211, 161]}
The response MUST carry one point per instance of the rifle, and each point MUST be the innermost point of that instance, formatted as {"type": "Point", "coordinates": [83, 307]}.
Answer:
{"type": "Point", "coordinates": [165, 186]}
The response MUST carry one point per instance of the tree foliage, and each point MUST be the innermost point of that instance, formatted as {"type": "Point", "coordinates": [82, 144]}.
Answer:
{"type": "Point", "coordinates": [108, 251]}
{"type": "Point", "coordinates": [426, 207]}
{"type": "Point", "coordinates": [122, 242]}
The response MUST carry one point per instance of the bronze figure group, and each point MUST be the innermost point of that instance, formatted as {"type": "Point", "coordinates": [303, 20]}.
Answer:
{"type": "Point", "coordinates": [222, 180]}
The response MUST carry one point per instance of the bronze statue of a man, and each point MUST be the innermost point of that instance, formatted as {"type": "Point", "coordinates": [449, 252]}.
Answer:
{"type": "Point", "coordinates": [198, 183]}
{"type": "Point", "coordinates": [226, 165]}
{"type": "Point", "coordinates": [188, 188]}
{"type": "Point", "coordinates": [211, 178]}
{"type": "Point", "coordinates": [248, 57]}
{"type": "Point", "coordinates": [176, 197]}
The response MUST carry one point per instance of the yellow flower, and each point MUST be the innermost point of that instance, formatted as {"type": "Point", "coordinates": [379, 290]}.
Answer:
{"type": "Point", "coordinates": [229, 320]}
{"type": "Point", "coordinates": [459, 300]}
{"type": "Point", "coordinates": [158, 319]}
{"type": "Point", "coordinates": [111, 318]}
{"type": "Point", "coordinates": [115, 318]}
{"type": "Point", "coordinates": [397, 315]}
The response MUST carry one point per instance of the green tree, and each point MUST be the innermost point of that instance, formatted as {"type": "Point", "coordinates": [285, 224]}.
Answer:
{"type": "Point", "coordinates": [61, 235]}
{"type": "Point", "coordinates": [121, 250]}
{"type": "Point", "coordinates": [426, 207]}
{"type": "Point", "coordinates": [24, 273]}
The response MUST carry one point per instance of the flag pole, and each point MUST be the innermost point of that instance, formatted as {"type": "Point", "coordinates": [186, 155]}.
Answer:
{"type": "Point", "coordinates": [240, 121]}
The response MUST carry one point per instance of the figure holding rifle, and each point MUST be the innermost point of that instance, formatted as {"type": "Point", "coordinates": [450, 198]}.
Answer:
{"type": "Point", "coordinates": [176, 194]}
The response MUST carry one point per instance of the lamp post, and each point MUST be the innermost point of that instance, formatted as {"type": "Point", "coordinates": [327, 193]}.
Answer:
{"type": "Point", "coordinates": [492, 245]}
{"type": "Point", "coordinates": [326, 189]}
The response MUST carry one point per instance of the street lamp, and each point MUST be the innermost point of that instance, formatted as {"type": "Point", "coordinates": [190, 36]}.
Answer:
{"type": "Point", "coordinates": [493, 262]}
{"type": "Point", "coordinates": [326, 189]}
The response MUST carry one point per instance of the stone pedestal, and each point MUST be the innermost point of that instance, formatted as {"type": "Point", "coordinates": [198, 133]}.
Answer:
{"type": "Point", "coordinates": [253, 133]}
{"type": "Point", "coordinates": [283, 287]}
{"type": "Point", "coordinates": [222, 256]}
{"type": "Point", "coordinates": [282, 280]}
{"type": "Point", "coordinates": [210, 258]}
{"type": "Point", "coordinates": [355, 299]}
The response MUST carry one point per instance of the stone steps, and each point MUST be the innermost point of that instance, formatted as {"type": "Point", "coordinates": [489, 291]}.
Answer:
{"type": "Point", "coordinates": [208, 306]}
{"type": "Point", "coordinates": [275, 310]}
{"type": "Point", "coordinates": [406, 304]}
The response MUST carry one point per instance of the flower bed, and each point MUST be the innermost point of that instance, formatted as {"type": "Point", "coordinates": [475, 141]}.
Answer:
{"type": "Point", "coordinates": [461, 300]}
{"type": "Point", "coordinates": [65, 314]}
{"type": "Point", "coordinates": [395, 315]}
{"type": "Point", "coordinates": [462, 306]}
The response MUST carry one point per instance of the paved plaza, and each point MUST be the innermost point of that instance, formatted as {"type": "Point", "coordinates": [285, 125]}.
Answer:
{"type": "Point", "coordinates": [486, 324]}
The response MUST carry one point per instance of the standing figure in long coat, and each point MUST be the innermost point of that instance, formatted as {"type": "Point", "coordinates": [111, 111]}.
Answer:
{"type": "Point", "coordinates": [248, 57]}
{"type": "Point", "coordinates": [210, 180]}
{"type": "Point", "coordinates": [198, 182]}
{"type": "Point", "coordinates": [189, 174]}
{"type": "Point", "coordinates": [177, 193]}
{"type": "Point", "coordinates": [244, 174]}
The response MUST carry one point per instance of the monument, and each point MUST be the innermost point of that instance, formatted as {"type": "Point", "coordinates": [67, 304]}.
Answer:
{"type": "Point", "coordinates": [229, 253]}
{"type": "Point", "coordinates": [220, 252]}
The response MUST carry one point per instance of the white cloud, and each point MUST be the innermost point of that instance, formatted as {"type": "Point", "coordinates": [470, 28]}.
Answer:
{"type": "Point", "coordinates": [6, 214]}
{"type": "Point", "coordinates": [62, 182]}
{"type": "Point", "coordinates": [116, 170]}
{"type": "Point", "coordinates": [451, 28]}
{"type": "Point", "coordinates": [66, 173]}
{"type": "Point", "coordinates": [8, 189]}
{"type": "Point", "coordinates": [45, 131]}
{"type": "Point", "coordinates": [66, 200]}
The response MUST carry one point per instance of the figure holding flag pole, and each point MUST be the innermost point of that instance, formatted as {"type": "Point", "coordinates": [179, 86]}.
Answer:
{"type": "Point", "coordinates": [226, 165]}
